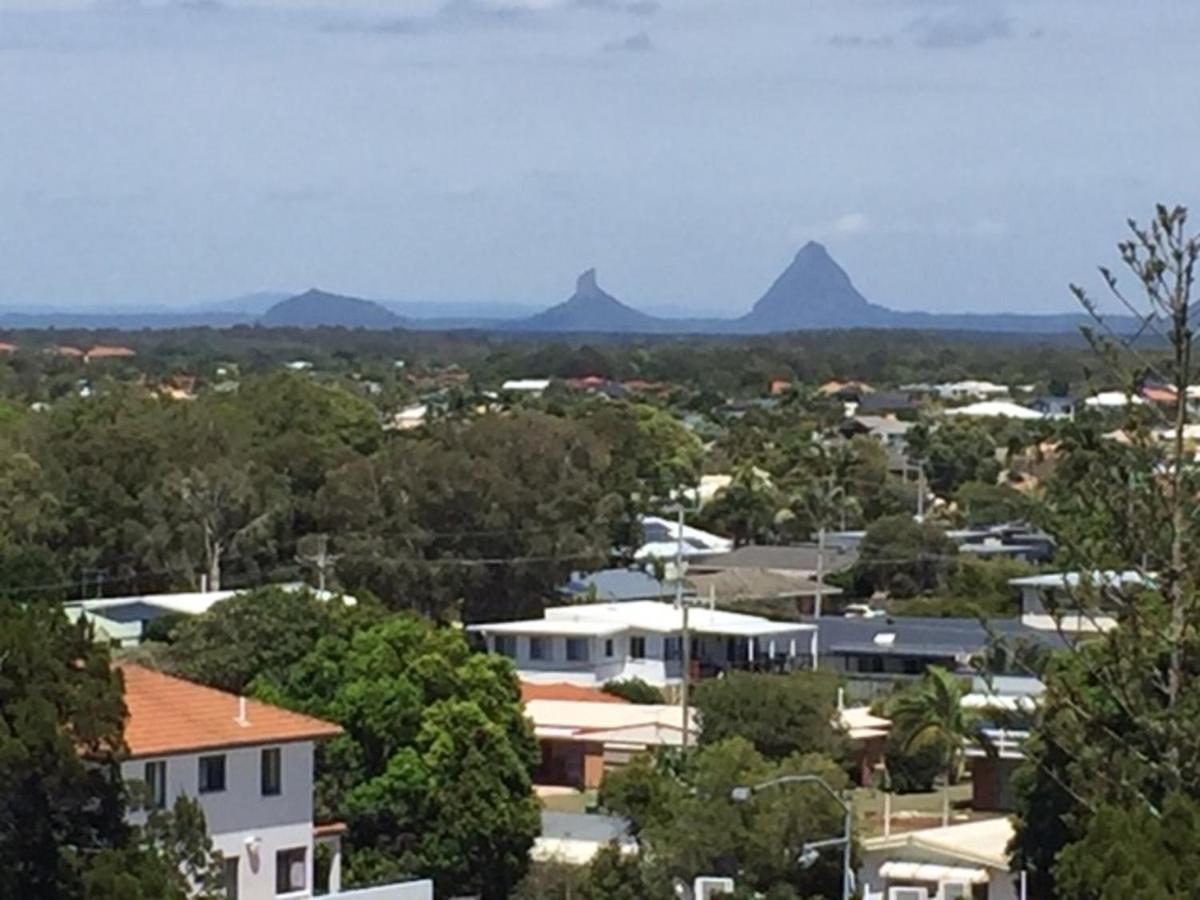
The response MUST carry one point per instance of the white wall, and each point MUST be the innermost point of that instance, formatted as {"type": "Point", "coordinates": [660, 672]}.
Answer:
{"type": "Point", "coordinates": [1001, 887]}
{"type": "Point", "coordinates": [240, 812]}
{"type": "Point", "coordinates": [411, 890]}
{"type": "Point", "coordinates": [598, 668]}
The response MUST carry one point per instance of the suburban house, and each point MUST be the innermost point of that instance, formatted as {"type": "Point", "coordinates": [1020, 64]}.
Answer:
{"type": "Point", "coordinates": [1008, 704]}
{"type": "Point", "coordinates": [594, 643]}
{"type": "Point", "coordinates": [888, 430]}
{"type": "Point", "coordinates": [1072, 602]}
{"type": "Point", "coordinates": [583, 737]}
{"type": "Point", "coordinates": [661, 540]}
{"type": "Point", "coordinates": [956, 862]}
{"type": "Point", "coordinates": [123, 620]}
{"type": "Point", "coordinates": [995, 409]}
{"type": "Point", "coordinates": [873, 653]}
{"type": "Point", "coordinates": [250, 766]}
{"type": "Point", "coordinates": [867, 734]}
{"type": "Point", "coordinates": [794, 559]}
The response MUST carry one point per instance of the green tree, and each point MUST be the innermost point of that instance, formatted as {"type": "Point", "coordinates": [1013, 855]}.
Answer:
{"type": "Point", "coordinates": [635, 690]}
{"type": "Point", "coordinates": [485, 518]}
{"type": "Point", "coordinates": [747, 509]}
{"type": "Point", "coordinates": [1120, 712]}
{"type": "Point", "coordinates": [1135, 853]}
{"type": "Point", "coordinates": [903, 557]}
{"type": "Point", "coordinates": [61, 723]}
{"type": "Point", "coordinates": [779, 714]}
{"type": "Point", "coordinates": [991, 504]}
{"type": "Point", "coordinates": [433, 773]}
{"type": "Point", "coordinates": [930, 713]}
{"type": "Point", "coordinates": [256, 633]}
{"type": "Point", "coordinates": [169, 857]}
{"type": "Point", "coordinates": [64, 834]}
{"type": "Point", "coordinates": [688, 824]}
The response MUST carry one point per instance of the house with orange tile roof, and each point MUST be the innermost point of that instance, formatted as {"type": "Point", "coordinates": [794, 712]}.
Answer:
{"type": "Point", "coordinates": [250, 765]}
{"type": "Point", "coordinates": [102, 351]}
{"type": "Point", "coordinates": [7, 348]}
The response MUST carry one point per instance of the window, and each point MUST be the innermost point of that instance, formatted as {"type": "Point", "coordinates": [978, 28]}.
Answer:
{"type": "Point", "coordinates": [291, 870]}
{"type": "Point", "coordinates": [506, 645]}
{"type": "Point", "coordinates": [539, 648]}
{"type": "Point", "coordinates": [577, 649]}
{"type": "Point", "coordinates": [229, 877]}
{"type": "Point", "coordinates": [608, 648]}
{"type": "Point", "coordinates": [212, 774]}
{"type": "Point", "coordinates": [272, 771]}
{"type": "Point", "coordinates": [672, 648]}
{"type": "Point", "coordinates": [637, 648]}
{"type": "Point", "coordinates": [156, 783]}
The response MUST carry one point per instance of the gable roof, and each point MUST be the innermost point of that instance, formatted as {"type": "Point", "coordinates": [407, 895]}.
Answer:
{"type": "Point", "coordinates": [168, 715]}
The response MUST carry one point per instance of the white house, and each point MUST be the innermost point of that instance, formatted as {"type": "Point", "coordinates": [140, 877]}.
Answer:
{"type": "Point", "coordinates": [970, 388]}
{"type": "Point", "coordinates": [661, 538]}
{"type": "Point", "coordinates": [250, 765]}
{"type": "Point", "coordinates": [996, 409]}
{"type": "Point", "coordinates": [534, 386]}
{"type": "Point", "coordinates": [958, 862]}
{"type": "Point", "coordinates": [593, 643]}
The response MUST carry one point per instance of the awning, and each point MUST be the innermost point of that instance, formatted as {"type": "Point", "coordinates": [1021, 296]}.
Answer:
{"type": "Point", "coordinates": [930, 873]}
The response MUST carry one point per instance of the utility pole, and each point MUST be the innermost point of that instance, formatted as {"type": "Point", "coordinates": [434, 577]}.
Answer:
{"type": "Point", "coordinates": [320, 559]}
{"type": "Point", "coordinates": [920, 490]}
{"type": "Point", "coordinates": [687, 639]}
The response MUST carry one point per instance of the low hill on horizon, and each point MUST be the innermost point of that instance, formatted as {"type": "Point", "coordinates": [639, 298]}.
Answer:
{"type": "Point", "coordinates": [316, 309]}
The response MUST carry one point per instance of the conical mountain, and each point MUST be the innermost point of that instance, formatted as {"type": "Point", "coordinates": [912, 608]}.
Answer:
{"type": "Point", "coordinates": [592, 309]}
{"type": "Point", "coordinates": [316, 309]}
{"type": "Point", "coordinates": [813, 292]}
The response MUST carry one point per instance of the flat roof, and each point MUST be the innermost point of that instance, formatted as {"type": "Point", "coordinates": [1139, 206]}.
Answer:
{"type": "Point", "coordinates": [552, 627]}
{"type": "Point", "coordinates": [585, 716]}
{"type": "Point", "coordinates": [657, 616]}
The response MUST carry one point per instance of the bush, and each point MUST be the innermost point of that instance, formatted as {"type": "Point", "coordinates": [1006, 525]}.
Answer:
{"type": "Point", "coordinates": [635, 691]}
{"type": "Point", "coordinates": [912, 771]}
{"type": "Point", "coordinates": [779, 714]}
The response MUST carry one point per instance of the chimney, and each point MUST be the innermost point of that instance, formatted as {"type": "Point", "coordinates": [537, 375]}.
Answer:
{"type": "Point", "coordinates": [241, 717]}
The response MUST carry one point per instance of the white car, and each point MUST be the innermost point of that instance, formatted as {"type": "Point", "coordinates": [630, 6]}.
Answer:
{"type": "Point", "coordinates": [863, 611]}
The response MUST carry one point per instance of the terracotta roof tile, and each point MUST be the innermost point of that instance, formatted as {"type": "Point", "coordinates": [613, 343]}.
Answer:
{"type": "Point", "coordinates": [562, 691]}
{"type": "Point", "coordinates": [171, 715]}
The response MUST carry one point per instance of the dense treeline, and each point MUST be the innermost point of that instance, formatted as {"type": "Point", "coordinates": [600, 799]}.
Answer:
{"type": "Point", "coordinates": [728, 365]}
{"type": "Point", "coordinates": [127, 492]}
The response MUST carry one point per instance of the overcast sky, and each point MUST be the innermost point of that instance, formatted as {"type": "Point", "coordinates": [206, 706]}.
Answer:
{"type": "Point", "coordinates": [952, 154]}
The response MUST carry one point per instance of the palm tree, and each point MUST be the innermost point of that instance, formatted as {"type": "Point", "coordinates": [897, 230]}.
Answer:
{"type": "Point", "coordinates": [931, 713]}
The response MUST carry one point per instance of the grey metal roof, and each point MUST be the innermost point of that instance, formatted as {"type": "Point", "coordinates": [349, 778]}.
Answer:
{"type": "Point", "coordinates": [798, 557]}
{"type": "Point", "coordinates": [612, 585]}
{"type": "Point", "coordinates": [927, 637]}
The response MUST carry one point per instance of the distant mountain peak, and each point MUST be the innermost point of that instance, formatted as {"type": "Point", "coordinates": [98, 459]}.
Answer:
{"type": "Point", "coordinates": [592, 309]}
{"type": "Point", "coordinates": [586, 283]}
{"type": "Point", "coordinates": [814, 250]}
{"type": "Point", "coordinates": [813, 292]}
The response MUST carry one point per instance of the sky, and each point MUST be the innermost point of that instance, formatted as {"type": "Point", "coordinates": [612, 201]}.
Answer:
{"type": "Point", "coordinates": [953, 155]}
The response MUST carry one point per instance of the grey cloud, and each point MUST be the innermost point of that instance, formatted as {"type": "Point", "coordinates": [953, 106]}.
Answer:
{"type": "Point", "coordinates": [956, 29]}
{"type": "Point", "coordinates": [645, 8]}
{"type": "Point", "coordinates": [861, 40]}
{"type": "Point", "coordinates": [635, 43]}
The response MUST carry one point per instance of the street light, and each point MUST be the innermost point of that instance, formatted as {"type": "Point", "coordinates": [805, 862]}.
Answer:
{"type": "Point", "coordinates": [810, 851]}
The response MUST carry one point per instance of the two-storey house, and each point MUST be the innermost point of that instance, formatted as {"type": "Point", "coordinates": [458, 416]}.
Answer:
{"type": "Point", "coordinates": [250, 765]}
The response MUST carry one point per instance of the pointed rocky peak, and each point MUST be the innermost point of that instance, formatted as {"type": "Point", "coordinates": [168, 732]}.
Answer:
{"type": "Point", "coordinates": [586, 283]}
{"type": "Point", "coordinates": [813, 291]}
{"type": "Point", "coordinates": [814, 251]}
